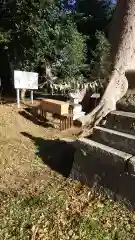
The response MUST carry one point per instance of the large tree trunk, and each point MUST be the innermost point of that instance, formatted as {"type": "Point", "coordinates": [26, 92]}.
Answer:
{"type": "Point", "coordinates": [122, 38]}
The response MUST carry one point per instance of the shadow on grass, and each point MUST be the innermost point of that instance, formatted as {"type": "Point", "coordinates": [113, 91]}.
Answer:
{"type": "Point", "coordinates": [28, 114]}
{"type": "Point", "coordinates": [62, 157]}
{"type": "Point", "coordinates": [58, 155]}
{"type": "Point", "coordinates": [6, 100]}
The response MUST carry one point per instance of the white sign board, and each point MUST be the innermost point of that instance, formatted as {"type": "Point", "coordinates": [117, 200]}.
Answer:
{"type": "Point", "coordinates": [25, 80]}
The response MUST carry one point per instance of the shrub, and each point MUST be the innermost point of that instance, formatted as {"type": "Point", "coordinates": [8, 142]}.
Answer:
{"type": "Point", "coordinates": [100, 64]}
{"type": "Point", "coordinates": [41, 33]}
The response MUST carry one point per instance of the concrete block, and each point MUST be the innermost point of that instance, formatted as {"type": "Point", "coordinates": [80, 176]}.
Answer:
{"type": "Point", "coordinates": [119, 140]}
{"type": "Point", "coordinates": [121, 121]}
{"type": "Point", "coordinates": [102, 155]}
{"type": "Point", "coordinates": [131, 166]}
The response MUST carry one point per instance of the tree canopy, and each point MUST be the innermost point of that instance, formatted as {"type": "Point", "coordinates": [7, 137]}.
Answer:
{"type": "Point", "coordinates": [61, 33]}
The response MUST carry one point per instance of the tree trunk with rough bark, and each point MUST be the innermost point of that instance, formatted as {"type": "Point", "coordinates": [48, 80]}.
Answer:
{"type": "Point", "coordinates": [122, 38]}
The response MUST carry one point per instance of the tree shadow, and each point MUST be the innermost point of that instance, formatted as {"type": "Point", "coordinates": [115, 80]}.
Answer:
{"type": "Point", "coordinates": [63, 158]}
{"type": "Point", "coordinates": [130, 75]}
{"type": "Point", "coordinates": [6, 101]}
{"type": "Point", "coordinates": [42, 95]}
{"type": "Point", "coordinates": [29, 114]}
{"type": "Point", "coordinates": [88, 102]}
{"type": "Point", "coordinates": [56, 154]}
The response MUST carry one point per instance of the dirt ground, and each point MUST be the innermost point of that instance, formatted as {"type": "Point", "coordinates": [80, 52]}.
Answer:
{"type": "Point", "coordinates": [21, 137]}
{"type": "Point", "coordinates": [38, 203]}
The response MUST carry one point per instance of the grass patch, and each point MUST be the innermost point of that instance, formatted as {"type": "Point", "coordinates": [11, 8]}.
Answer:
{"type": "Point", "coordinates": [64, 210]}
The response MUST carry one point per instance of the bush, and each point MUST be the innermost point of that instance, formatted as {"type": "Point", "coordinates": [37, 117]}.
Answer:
{"type": "Point", "coordinates": [100, 63]}
{"type": "Point", "coordinates": [43, 34]}
{"type": "Point", "coordinates": [72, 55]}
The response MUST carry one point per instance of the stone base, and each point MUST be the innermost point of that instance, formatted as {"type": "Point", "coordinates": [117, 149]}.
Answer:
{"type": "Point", "coordinates": [77, 108]}
{"type": "Point", "coordinates": [78, 115]}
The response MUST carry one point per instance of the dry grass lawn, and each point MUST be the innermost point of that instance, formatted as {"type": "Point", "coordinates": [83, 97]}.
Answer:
{"type": "Point", "coordinates": [38, 203]}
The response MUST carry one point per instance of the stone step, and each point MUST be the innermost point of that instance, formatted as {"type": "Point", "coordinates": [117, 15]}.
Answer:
{"type": "Point", "coordinates": [121, 121]}
{"type": "Point", "coordinates": [119, 140]}
{"type": "Point", "coordinates": [102, 153]}
{"type": "Point", "coordinates": [93, 158]}
{"type": "Point", "coordinates": [126, 107]}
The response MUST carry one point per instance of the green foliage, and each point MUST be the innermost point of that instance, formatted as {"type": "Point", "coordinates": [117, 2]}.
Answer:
{"type": "Point", "coordinates": [40, 32]}
{"type": "Point", "coordinates": [92, 18]}
{"type": "Point", "coordinates": [72, 54]}
{"type": "Point", "coordinates": [100, 63]}
{"type": "Point", "coordinates": [4, 37]}
{"type": "Point", "coordinates": [98, 12]}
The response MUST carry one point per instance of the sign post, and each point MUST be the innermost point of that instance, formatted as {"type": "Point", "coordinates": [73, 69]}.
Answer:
{"type": "Point", "coordinates": [25, 80]}
{"type": "Point", "coordinates": [18, 98]}
{"type": "Point", "coordinates": [31, 93]}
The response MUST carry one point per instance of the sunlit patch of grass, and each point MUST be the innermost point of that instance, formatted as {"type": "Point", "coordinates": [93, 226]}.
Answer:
{"type": "Point", "coordinates": [65, 210]}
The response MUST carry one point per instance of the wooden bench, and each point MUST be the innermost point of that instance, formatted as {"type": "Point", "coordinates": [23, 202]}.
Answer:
{"type": "Point", "coordinates": [60, 109]}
